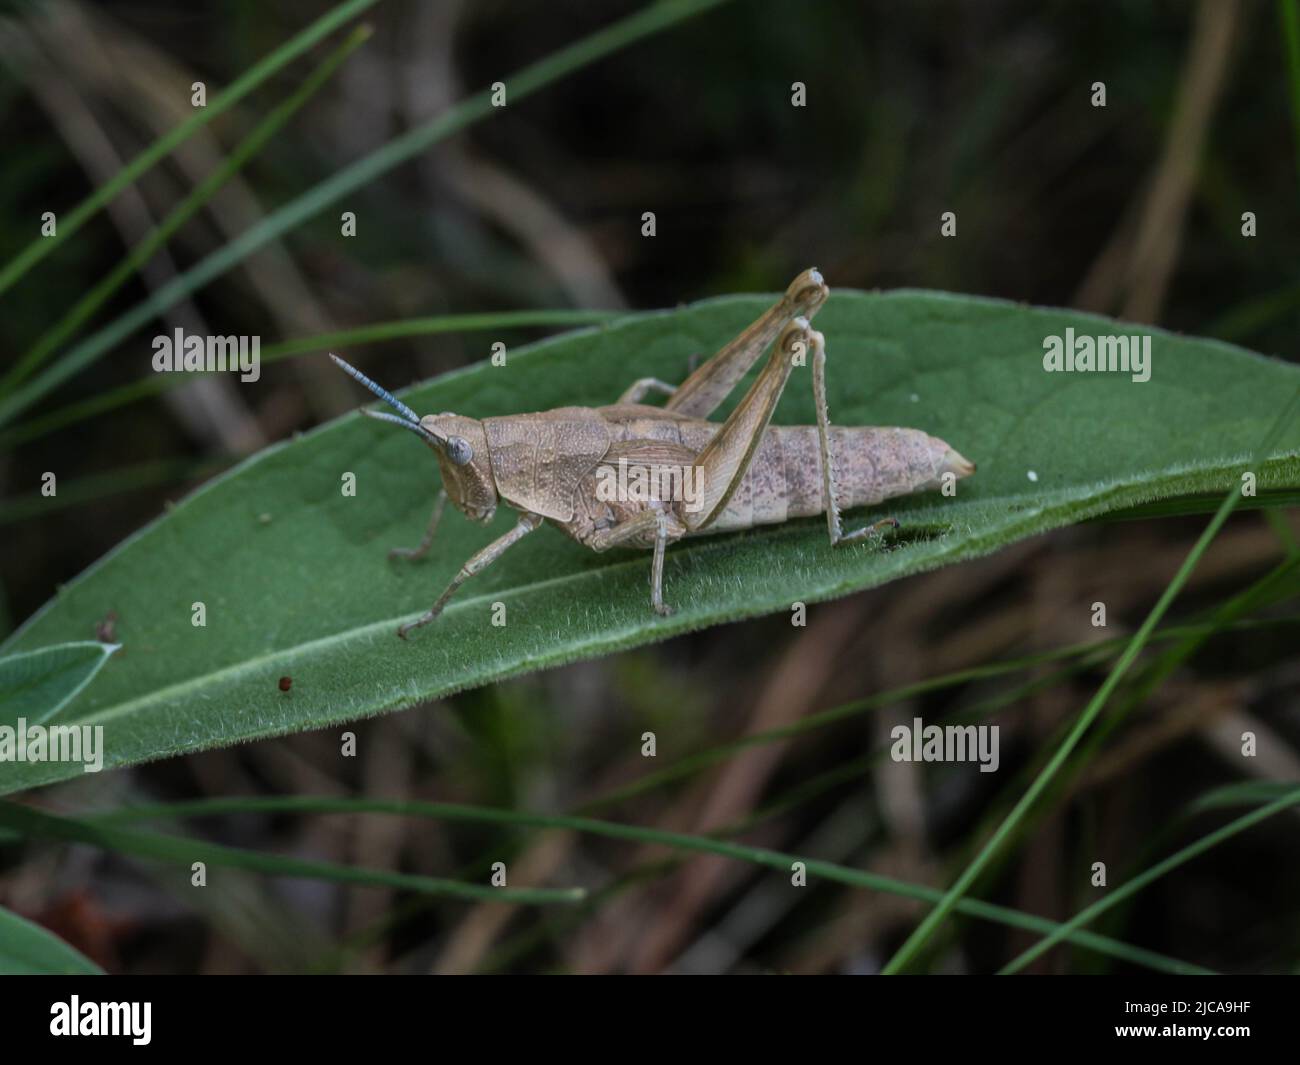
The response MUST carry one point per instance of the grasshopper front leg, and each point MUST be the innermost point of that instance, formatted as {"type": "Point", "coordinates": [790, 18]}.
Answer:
{"type": "Point", "coordinates": [477, 563]}
{"type": "Point", "coordinates": [422, 549]}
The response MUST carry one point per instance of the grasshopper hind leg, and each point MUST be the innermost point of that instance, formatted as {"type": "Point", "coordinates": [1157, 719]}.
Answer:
{"type": "Point", "coordinates": [830, 491]}
{"type": "Point", "coordinates": [709, 384]}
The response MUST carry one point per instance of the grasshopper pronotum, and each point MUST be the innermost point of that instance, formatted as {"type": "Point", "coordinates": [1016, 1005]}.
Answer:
{"type": "Point", "coordinates": [556, 465]}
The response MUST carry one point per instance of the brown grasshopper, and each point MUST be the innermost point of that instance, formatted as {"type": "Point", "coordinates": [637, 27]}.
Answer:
{"type": "Point", "coordinates": [598, 474]}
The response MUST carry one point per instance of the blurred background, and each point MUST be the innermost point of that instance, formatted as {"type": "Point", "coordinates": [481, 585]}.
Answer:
{"type": "Point", "coordinates": [1132, 209]}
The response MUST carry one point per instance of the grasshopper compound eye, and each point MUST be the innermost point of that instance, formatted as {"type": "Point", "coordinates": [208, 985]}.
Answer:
{"type": "Point", "coordinates": [458, 450]}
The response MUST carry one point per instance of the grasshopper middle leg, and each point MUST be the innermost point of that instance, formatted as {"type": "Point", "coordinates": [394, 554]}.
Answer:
{"type": "Point", "coordinates": [637, 390]}
{"type": "Point", "coordinates": [664, 527]}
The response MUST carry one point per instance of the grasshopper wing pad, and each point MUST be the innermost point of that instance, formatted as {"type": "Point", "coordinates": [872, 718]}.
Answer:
{"type": "Point", "coordinates": [539, 459]}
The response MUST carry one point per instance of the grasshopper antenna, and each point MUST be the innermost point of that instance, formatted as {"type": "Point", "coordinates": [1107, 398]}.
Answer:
{"type": "Point", "coordinates": [415, 427]}
{"type": "Point", "coordinates": [378, 390]}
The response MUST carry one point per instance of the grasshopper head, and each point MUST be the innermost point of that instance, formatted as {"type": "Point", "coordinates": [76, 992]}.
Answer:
{"type": "Point", "coordinates": [459, 443]}
{"type": "Point", "coordinates": [463, 460]}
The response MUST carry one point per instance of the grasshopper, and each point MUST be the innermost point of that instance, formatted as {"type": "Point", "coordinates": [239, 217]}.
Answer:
{"type": "Point", "coordinates": [558, 465]}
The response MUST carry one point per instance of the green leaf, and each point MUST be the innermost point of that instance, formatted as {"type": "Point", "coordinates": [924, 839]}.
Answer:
{"type": "Point", "coordinates": [36, 685]}
{"type": "Point", "coordinates": [27, 949]}
{"type": "Point", "coordinates": [295, 581]}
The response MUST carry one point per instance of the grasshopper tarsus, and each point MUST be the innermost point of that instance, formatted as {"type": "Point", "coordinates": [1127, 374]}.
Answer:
{"type": "Point", "coordinates": [876, 530]}
{"type": "Point", "coordinates": [553, 465]}
{"type": "Point", "coordinates": [404, 631]}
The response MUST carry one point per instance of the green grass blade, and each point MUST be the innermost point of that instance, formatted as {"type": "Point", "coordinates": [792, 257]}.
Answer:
{"type": "Point", "coordinates": [935, 917]}
{"type": "Point", "coordinates": [36, 824]}
{"type": "Point", "coordinates": [231, 164]}
{"type": "Point", "coordinates": [376, 333]}
{"type": "Point", "coordinates": [1276, 586]}
{"type": "Point", "coordinates": [221, 102]}
{"type": "Point", "coordinates": [777, 860]}
{"type": "Point", "coordinates": [1282, 530]}
{"type": "Point", "coordinates": [650, 20]}
{"type": "Point", "coordinates": [1289, 15]}
{"type": "Point", "coordinates": [1132, 887]}
{"type": "Point", "coordinates": [1278, 583]}
{"type": "Point", "coordinates": [1243, 793]}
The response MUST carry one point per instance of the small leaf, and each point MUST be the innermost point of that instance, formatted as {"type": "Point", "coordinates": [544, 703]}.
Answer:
{"type": "Point", "coordinates": [36, 685]}
{"type": "Point", "coordinates": [27, 949]}
{"type": "Point", "coordinates": [294, 581]}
